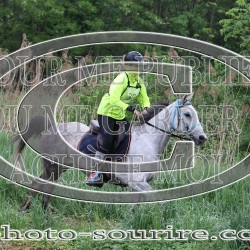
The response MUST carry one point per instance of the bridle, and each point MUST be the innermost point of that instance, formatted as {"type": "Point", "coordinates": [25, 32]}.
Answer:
{"type": "Point", "coordinates": [177, 112]}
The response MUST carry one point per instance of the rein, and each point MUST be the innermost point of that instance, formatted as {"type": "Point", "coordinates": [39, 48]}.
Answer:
{"type": "Point", "coordinates": [177, 111]}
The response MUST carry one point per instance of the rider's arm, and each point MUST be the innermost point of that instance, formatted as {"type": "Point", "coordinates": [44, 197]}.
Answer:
{"type": "Point", "coordinates": [115, 91]}
{"type": "Point", "coordinates": [142, 98]}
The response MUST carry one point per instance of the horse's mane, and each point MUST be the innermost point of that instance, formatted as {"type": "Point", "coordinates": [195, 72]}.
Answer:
{"type": "Point", "coordinates": [153, 110]}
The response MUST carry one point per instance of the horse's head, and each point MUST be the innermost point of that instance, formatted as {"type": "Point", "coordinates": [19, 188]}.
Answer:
{"type": "Point", "coordinates": [185, 121]}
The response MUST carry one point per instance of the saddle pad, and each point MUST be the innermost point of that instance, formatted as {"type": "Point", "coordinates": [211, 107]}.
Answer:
{"type": "Point", "coordinates": [89, 142]}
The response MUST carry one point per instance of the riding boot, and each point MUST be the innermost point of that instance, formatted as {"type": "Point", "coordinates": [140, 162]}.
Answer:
{"type": "Point", "coordinates": [96, 178]}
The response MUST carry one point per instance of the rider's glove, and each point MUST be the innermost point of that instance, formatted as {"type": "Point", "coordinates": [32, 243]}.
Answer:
{"type": "Point", "coordinates": [131, 108]}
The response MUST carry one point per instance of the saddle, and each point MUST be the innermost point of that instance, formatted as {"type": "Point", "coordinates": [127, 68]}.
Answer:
{"type": "Point", "coordinates": [92, 139]}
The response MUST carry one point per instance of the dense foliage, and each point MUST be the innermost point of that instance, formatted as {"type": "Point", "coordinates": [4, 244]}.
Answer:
{"type": "Point", "coordinates": [201, 19]}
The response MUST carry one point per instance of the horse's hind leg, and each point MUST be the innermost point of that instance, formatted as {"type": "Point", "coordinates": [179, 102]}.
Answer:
{"type": "Point", "coordinates": [28, 200]}
{"type": "Point", "coordinates": [51, 172]}
{"type": "Point", "coordinates": [36, 185]}
{"type": "Point", "coordinates": [57, 171]}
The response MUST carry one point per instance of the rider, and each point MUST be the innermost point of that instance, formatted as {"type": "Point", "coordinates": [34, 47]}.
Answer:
{"type": "Point", "coordinates": [125, 88]}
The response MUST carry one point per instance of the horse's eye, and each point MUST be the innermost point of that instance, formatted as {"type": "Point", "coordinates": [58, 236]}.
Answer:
{"type": "Point", "coordinates": [187, 115]}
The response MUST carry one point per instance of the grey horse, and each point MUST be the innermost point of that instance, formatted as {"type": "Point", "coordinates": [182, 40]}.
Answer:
{"type": "Point", "coordinates": [148, 140]}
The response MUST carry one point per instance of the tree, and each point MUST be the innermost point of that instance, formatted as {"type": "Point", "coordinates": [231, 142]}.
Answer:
{"type": "Point", "coordinates": [47, 19]}
{"type": "Point", "coordinates": [44, 19]}
{"type": "Point", "coordinates": [236, 28]}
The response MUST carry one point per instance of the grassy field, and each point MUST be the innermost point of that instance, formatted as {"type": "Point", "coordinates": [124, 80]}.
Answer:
{"type": "Point", "coordinates": [228, 208]}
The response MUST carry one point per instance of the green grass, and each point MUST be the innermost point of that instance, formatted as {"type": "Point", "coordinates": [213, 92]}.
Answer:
{"type": "Point", "coordinates": [228, 208]}
{"type": "Point", "coordinates": [220, 210]}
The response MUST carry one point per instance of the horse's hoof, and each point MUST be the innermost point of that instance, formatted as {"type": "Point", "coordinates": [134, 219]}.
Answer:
{"type": "Point", "coordinates": [23, 210]}
{"type": "Point", "coordinates": [92, 184]}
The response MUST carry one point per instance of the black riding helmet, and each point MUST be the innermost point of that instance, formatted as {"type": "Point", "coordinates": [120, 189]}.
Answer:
{"type": "Point", "coordinates": [133, 56]}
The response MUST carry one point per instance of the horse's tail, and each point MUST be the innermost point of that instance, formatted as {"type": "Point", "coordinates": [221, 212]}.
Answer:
{"type": "Point", "coordinates": [35, 128]}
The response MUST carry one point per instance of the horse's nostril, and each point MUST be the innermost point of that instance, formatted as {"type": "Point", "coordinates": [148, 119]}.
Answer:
{"type": "Point", "coordinates": [202, 138]}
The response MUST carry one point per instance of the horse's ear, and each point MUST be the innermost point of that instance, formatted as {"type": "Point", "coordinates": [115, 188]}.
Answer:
{"type": "Point", "coordinates": [186, 98]}
{"type": "Point", "coordinates": [189, 98]}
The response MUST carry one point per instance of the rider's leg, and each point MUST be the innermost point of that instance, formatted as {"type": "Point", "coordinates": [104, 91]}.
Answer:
{"type": "Point", "coordinates": [95, 179]}
{"type": "Point", "coordinates": [107, 126]}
